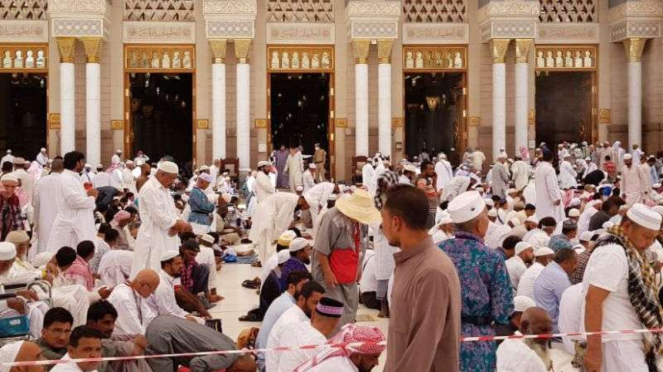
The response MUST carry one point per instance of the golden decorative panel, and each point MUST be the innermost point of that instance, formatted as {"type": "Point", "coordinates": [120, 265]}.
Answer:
{"type": "Point", "coordinates": [261, 123]}
{"type": "Point", "coordinates": [434, 58]}
{"type": "Point", "coordinates": [397, 122]}
{"type": "Point", "coordinates": [531, 117]}
{"type": "Point", "coordinates": [566, 58]}
{"type": "Point", "coordinates": [474, 121]}
{"type": "Point", "coordinates": [202, 124]}
{"type": "Point", "coordinates": [117, 124]}
{"type": "Point", "coordinates": [24, 58]}
{"type": "Point", "coordinates": [159, 58]}
{"type": "Point", "coordinates": [341, 123]}
{"type": "Point", "coordinates": [53, 121]}
{"type": "Point", "coordinates": [604, 116]}
{"type": "Point", "coordinates": [300, 58]}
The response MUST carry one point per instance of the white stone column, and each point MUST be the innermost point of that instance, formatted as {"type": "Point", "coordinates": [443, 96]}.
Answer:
{"type": "Point", "coordinates": [66, 47]}
{"type": "Point", "coordinates": [498, 48]}
{"type": "Point", "coordinates": [361, 48]}
{"type": "Point", "coordinates": [242, 47]}
{"type": "Point", "coordinates": [218, 48]}
{"type": "Point", "coordinates": [384, 96]}
{"type": "Point", "coordinates": [93, 99]}
{"type": "Point", "coordinates": [522, 92]}
{"type": "Point", "coordinates": [634, 48]}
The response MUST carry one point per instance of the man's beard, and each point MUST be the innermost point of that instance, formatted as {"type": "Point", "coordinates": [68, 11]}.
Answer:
{"type": "Point", "coordinates": [541, 350]}
{"type": "Point", "coordinates": [307, 261]}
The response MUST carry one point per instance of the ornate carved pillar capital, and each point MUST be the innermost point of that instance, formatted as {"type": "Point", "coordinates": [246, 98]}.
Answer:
{"type": "Point", "coordinates": [67, 48]}
{"type": "Point", "coordinates": [498, 48]}
{"type": "Point", "coordinates": [92, 48]}
{"type": "Point", "coordinates": [523, 47]}
{"type": "Point", "coordinates": [218, 47]}
{"type": "Point", "coordinates": [384, 50]}
{"type": "Point", "coordinates": [361, 48]}
{"type": "Point", "coordinates": [242, 49]}
{"type": "Point", "coordinates": [634, 48]}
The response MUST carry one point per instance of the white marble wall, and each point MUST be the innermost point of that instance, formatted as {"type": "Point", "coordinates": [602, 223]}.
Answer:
{"type": "Point", "coordinates": [243, 115]}
{"type": "Point", "coordinates": [361, 109]}
{"type": "Point", "coordinates": [499, 108]}
{"type": "Point", "coordinates": [384, 109]}
{"type": "Point", "coordinates": [93, 112]}
{"type": "Point", "coordinates": [67, 108]}
{"type": "Point", "coordinates": [218, 110]}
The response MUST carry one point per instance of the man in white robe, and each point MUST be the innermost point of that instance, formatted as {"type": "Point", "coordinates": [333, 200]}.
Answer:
{"type": "Point", "coordinates": [517, 265]}
{"type": "Point", "coordinates": [567, 175]}
{"type": "Point", "coordinates": [531, 355]}
{"type": "Point", "coordinates": [27, 180]}
{"type": "Point", "coordinates": [75, 218]}
{"type": "Point", "coordinates": [520, 173]}
{"type": "Point", "coordinates": [116, 158]}
{"type": "Point", "coordinates": [263, 186]}
{"type": "Point", "coordinates": [548, 196]}
{"type": "Point", "coordinates": [478, 158]}
{"type": "Point", "coordinates": [455, 187]}
{"type": "Point", "coordinates": [543, 257]}
{"type": "Point", "coordinates": [316, 197]}
{"type": "Point", "coordinates": [42, 157]}
{"type": "Point", "coordinates": [500, 177]}
{"type": "Point", "coordinates": [160, 219]}
{"type": "Point", "coordinates": [309, 177]}
{"type": "Point", "coordinates": [634, 182]}
{"type": "Point", "coordinates": [443, 171]}
{"type": "Point", "coordinates": [367, 174]}
{"type": "Point", "coordinates": [7, 158]}
{"type": "Point", "coordinates": [115, 267]}
{"type": "Point", "coordinates": [276, 215]}
{"type": "Point", "coordinates": [45, 205]}
{"type": "Point", "coordinates": [294, 166]}
{"type": "Point", "coordinates": [130, 301]}
{"type": "Point", "coordinates": [101, 178]}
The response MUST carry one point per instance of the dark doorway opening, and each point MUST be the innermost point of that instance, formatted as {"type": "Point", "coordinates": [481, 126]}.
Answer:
{"type": "Point", "coordinates": [563, 107]}
{"type": "Point", "coordinates": [23, 113]}
{"type": "Point", "coordinates": [434, 111]}
{"type": "Point", "coordinates": [300, 110]}
{"type": "Point", "coordinates": [162, 116]}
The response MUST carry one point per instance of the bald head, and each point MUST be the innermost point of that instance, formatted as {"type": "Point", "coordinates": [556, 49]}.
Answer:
{"type": "Point", "coordinates": [145, 282]}
{"type": "Point", "coordinates": [30, 352]}
{"type": "Point", "coordinates": [57, 166]}
{"type": "Point", "coordinates": [535, 321]}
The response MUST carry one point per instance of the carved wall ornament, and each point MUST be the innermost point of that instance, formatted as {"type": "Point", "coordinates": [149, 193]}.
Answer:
{"type": "Point", "coordinates": [435, 11]}
{"type": "Point", "coordinates": [317, 11]}
{"type": "Point", "coordinates": [24, 58]}
{"type": "Point", "coordinates": [218, 48]}
{"type": "Point", "coordinates": [436, 58]}
{"type": "Point", "coordinates": [498, 48]}
{"type": "Point", "coordinates": [79, 27]}
{"type": "Point", "coordinates": [54, 120]}
{"type": "Point", "coordinates": [301, 33]}
{"type": "Point", "coordinates": [67, 48]}
{"type": "Point", "coordinates": [568, 33]}
{"type": "Point", "coordinates": [155, 58]}
{"type": "Point", "coordinates": [523, 47]}
{"type": "Point", "coordinates": [242, 50]}
{"type": "Point", "coordinates": [634, 48]}
{"type": "Point", "coordinates": [77, 6]}
{"type": "Point", "coordinates": [230, 29]}
{"type": "Point", "coordinates": [23, 9]}
{"type": "Point", "coordinates": [604, 116]}
{"type": "Point", "coordinates": [159, 32]}
{"type": "Point", "coordinates": [436, 33]}
{"type": "Point", "coordinates": [374, 30]}
{"type": "Point", "coordinates": [92, 47]}
{"type": "Point", "coordinates": [300, 58]}
{"type": "Point", "coordinates": [230, 7]}
{"type": "Point", "coordinates": [24, 31]}
{"type": "Point", "coordinates": [373, 9]}
{"type": "Point", "coordinates": [361, 49]}
{"type": "Point", "coordinates": [566, 57]}
{"type": "Point", "coordinates": [384, 50]}
{"type": "Point", "coordinates": [569, 11]}
{"type": "Point", "coordinates": [159, 10]}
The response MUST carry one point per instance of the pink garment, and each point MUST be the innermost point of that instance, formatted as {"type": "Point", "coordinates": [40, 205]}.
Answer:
{"type": "Point", "coordinates": [80, 273]}
{"type": "Point", "coordinates": [524, 153]}
{"type": "Point", "coordinates": [567, 196]}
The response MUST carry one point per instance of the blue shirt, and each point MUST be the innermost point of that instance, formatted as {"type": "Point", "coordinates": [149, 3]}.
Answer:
{"type": "Point", "coordinates": [284, 302]}
{"type": "Point", "coordinates": [201, 208]}
{"type": "Point", "coordinates": [548, 289]}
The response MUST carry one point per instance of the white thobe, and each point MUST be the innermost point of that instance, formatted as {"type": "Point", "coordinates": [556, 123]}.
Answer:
{"type": "Point", "coordinates": [634, 184]}
{"type": "Point", "coordinates": [591, 167]}
{"type": "Point", "coordinates": [520, 174]}
{"type": "Point", "coordinates": [529, 192]}
{"type": "Point", "coordinates": [516, 356]}
{"type": "Point", "coordinates": [158, 214]}
{"type": "Point", "coordinates": [115, 267]}
{"type": "Point", "coordinates": [547, 193]}
{"type": "Point", "coordinates": [316, 197]}
{"type": "Point", "coordinates": [128, 180]}
{"type": "Point", "coordinates": [585, 218]}
{"type": "Point", "coordinates": [42, 159]}
{"type": "Point", "coordinates": [294, 165]}
{"type": "Point", "coordinates": [46, 209]}
{"type": "Point", "coordinates": [75, 218]}
{"type": "Point", "coordinates": [516, 268]}
{"type": "Point", "coordinates": [281, 331]}
{"type": "Point", "coordinates": [455, 187]}
{"type": "Point", "coordinates": [570, 306]}
{"type": "Point", "coordinates": [7, 158]}
{"type": "Point", "coordinates": [300, 334]}
{"type": "Point", "coordinates": [27, 181]}
{"type": "Point", "coordinates": [444, 173]}
{"type": "Point", "coordinates": [384, 254]}
{"type": "Point", "coordinates": [276, 214]}
{"type": "Point", "coordinates": [116, 179]}
{"type": "Point", "coordinates": [308, 180]}
{"type": "Point", "coordinates": [115, 159]}
{"type": "Point", "coordinates": [101, 179]}
{"type": "Point", "coordinates": [497, 235]}
{"type": "Point", "coordinates": [206, 257]}
{"type": "Point", "coordinates": [477, 159]}
{"type": "Point", "coordinates": [132, 311]}
{"type": "Point", "coordinates": [66, 367]}
{"type": "Point", "coordinates": [567, 175]}
{"type": "Point", "coordinates": [163, 301]}
{"type": "Point", "coordinates": [263, 187]}
{"type": "Point", "coordinates": [367, 173]}
{"type": "Point", "coordinates": [637, 153]}
{"type": "Point", "coordinates": [335, 364]}
{"type": "Point", "coordinates": [526, 284]}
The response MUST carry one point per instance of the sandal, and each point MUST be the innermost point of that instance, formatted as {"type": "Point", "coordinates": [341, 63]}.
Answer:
{"type": "Point", "coordinates": [251, 284]}
{"type": "Point", "coordinates": [250, 317]}
{"type": "Point", "coordinates": [256, 264]}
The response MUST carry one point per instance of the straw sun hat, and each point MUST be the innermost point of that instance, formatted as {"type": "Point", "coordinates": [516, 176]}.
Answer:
{"type": "Point", "coordinates": [359, 207]}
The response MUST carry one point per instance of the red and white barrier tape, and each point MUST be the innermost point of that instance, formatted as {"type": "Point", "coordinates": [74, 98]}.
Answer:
{"type": "Point", "coordinates": [325, 346]}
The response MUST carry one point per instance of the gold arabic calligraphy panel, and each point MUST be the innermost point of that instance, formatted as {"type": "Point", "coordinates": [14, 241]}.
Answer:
{"type": "Point", "coordinates": [159, 58]}
{"type": "Point", "coordinates": [24, 58]}
{"type": "Point", "coordinates": [300, 59]}
{"type": "Point", "coordinates": [432, 58]}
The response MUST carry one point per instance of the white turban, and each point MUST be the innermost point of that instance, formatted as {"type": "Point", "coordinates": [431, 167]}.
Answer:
{"type": "Point", "coordinates": [168, 167]}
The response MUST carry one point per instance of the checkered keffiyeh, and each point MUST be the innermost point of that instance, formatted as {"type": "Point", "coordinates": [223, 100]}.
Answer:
{"type": "Point", "coordinates": [643, 295]}
{"type": "Point", "coordinates": [350, 334]}
{"type": "Point", "coordinates": [384, 182]}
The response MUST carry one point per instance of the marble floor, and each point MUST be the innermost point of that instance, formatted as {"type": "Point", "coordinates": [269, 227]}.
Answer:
{"type": "Point", "coordinates": [239, 300]}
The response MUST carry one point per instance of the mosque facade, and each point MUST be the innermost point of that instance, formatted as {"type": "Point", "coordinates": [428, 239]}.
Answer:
{"type": "Point", "coordinates": [207, 79]}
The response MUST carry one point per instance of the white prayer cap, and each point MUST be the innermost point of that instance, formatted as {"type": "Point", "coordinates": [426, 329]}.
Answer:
{"type": "Point", "coordinates": [140, 162]}
{"type": "Point", "coordinates": [628, 156]}
{"type": "Point", "coordinates": [573, 212]}
{"type": "Point", "coordinates": [480, 189]}
{"type": "Point", "coordinates": [130, 162]}
{"type": "Point", "coordinates": [607, 224]}
{"type": "Point", "coordinates": [7, 251]}
{"type": "Point", "coordinates": [522, 246]}
{"type": "Point", "coordinates": [515, 221]}
{"type": "Point", "coordinates": [532, 219]}
{"type": "Point", "coordinates": [227, 197]}
{"type": "Point", "coordinates": [567, 155]}
{"type": "Point", "coordinates": [206, 177]}
{"type": "Point", "coordinates": [169, 255]}
{"type": "Point", "coordinates": [592, 203]}
{"type": "Point", "coordinates": [298, 244]}
{"type": "Point", "coordinates": [204, 168]}
{"type": "Point", "coordinates": [118, 151]}
{"type": "Point", "coordinates": [522, 303]}
{"type": "Point", "coordinates": [43, 149]}
{"type": "Point", "coordinates": [9, 151]}
{"type": "Point", "coordinates": [299, 188]}
{"type": "Point", "coordinates": [656, 185]}
{"type": "Point", "coordinates": [99, 166]}
{"type": "Point", "coordinates": [586, 236]}
{"type": "Point", "coordinates": [332, 197]}
{"type": "Point", "coordinates": [312, 166]}
{"type": "Point", "coordinates": [501, 155]}
{"type": "Point", "coordinates": [8, 354]}
{"type": "Point", "coordinates": [286, 238]}
{"type": "Point", "coordinates": [659, 209]}
{"type": "Point", "coordinates": [492, 213]}
{"type": "Point", "coordinates": [575, 202]}
{"type": "Point", "coordinates": [168, 167]}
{"type": "Point", "coordinates": [42, 259]}
{"type": "Point", "coordinates": [88, 165]}
{"type": "Point", "coordinates": [283, 256]}
{"type": "Point", "coordinates": [410, 168]}
{"type": "Point", "coordinates": [9, 178]}
{"type": "Point", "coordinates": [544, 251]}
{"type": "Point", "coordinates": [644, 217]}
{"type": "Point", "coordinates": [264, 163]}
{"type": "Point", "coordinates": [466, 206]}
{"type": "Point", "coordinates": [207, 238]}
{"type": "Point", "coordinates": [489, 202]}
{"type": "Point", "coordinates": [588, 159]}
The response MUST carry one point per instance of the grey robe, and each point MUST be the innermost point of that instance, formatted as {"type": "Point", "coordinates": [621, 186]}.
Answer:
{"type": "Point", "coordinates": [500, 180]}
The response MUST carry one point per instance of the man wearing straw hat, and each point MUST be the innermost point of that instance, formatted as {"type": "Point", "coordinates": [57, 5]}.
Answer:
{"type": "Point", "coordinates": [338, 250]}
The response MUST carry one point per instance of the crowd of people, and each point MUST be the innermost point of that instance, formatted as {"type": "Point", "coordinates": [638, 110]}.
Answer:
{"type": "Point", "coordinates": [123, 261]}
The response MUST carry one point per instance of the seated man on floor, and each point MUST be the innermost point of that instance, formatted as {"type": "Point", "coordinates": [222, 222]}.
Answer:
{"type": "Point", "coordinates": [300, 256]}
{"type": "Point", "coordinates": [54, 339]}
{"type": "Point", "coordinates": [172, 335]}
{"type": "Point", "coordinates": [84, 343]}
{"type": "Point", "coordinates": [194, 276]}
{"type": "Point", "coordinates": [532, 355]}
{"type": "Point", "coordinates": [129, 299]}
{"type": "Point", "coordinates": [21, 351]}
